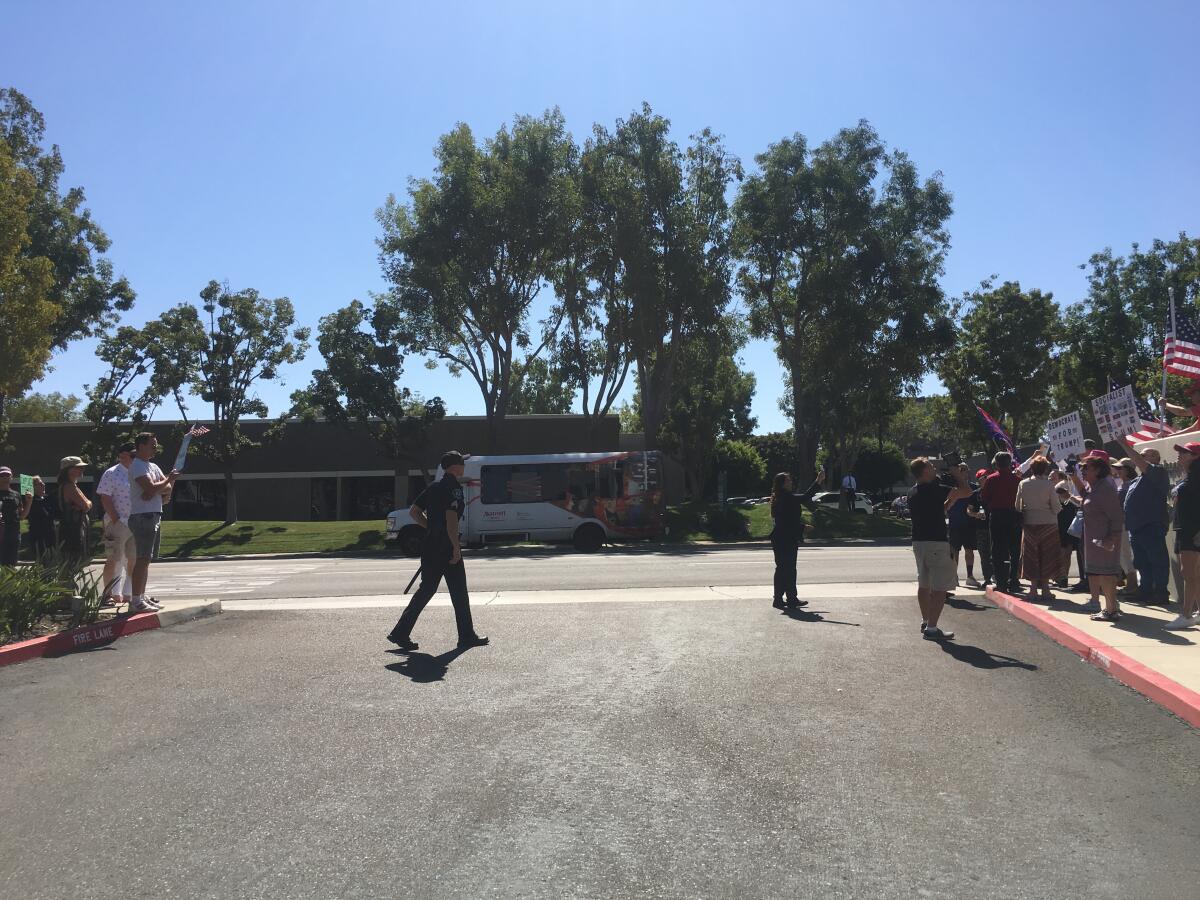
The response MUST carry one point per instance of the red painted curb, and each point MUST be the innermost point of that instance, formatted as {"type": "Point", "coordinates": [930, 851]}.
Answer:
{"type": "Point", "coordinates": [85, 636]}
{"type": "Point", "coordinates": [1152, 684]}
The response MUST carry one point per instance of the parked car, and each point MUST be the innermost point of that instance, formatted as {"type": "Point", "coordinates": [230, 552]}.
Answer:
{"type": "Point", "coordinates": [833, 499]}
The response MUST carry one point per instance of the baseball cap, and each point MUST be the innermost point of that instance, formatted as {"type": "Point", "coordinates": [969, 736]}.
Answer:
{"type": "Point", "coordinates": [1192, 447]}
{"type": "Point", "coordinates": [70, 462]}
{"type": "Point", "coordinates": [1126, 463]}
{"type": "Point", "coordinates": [1100, 454]}
{"type": "Point", "coordinates": [452, 458]}
{"type": "Point", "coordinates": [5, 470]}
{"type": "Point", "coordinates": [982, 473]}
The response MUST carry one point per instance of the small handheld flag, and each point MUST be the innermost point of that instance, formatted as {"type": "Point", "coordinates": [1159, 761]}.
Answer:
{"type": "Point", "coordinates": [194, 431]}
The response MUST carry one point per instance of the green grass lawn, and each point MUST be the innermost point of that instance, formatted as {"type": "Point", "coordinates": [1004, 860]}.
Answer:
{"type": "Point", "coordinates": [182, 540]}
{"type": "Point", "coordinates": [701, 522]}
{"type": "Point", "coordinates": [693, 522]}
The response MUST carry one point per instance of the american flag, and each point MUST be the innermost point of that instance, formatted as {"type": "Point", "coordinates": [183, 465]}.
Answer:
{"type": "Point", "coordinates": [1151, 428]}
{"type": "Point", "coordinates": [198, 431]}
{"type": "Point", "coordinates": [1182, 352]}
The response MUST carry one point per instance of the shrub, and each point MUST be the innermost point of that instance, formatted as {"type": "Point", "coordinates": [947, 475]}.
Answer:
{"type": "Point", "coordinates": [726, 523]}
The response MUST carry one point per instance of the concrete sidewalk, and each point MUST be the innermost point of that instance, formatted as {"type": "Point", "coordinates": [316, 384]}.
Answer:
{"type": "Point", "coordinates": [1137, 650]}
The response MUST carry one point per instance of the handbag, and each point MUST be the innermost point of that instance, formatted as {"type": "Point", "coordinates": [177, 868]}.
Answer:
{"type": "Point", "coordinates": [1075, 529]}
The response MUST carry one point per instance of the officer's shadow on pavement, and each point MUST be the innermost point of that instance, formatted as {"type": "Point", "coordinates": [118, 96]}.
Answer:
{"type": "Point", "coordinates": [423, 668]}
{"type": "Point", "coordinates": [812, 615]}
{"type": "Point", "coordinates": [983, 659]}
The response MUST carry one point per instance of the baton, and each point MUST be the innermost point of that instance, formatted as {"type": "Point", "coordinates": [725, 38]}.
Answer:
{"type": "Point", "coordinates": [412, 580]}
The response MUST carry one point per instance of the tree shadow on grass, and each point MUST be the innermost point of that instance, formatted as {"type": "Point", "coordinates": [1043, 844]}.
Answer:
{"type": "Point", "coordinates": [187, 548]}
{"type": "Point", "coordinates": [370, 539]}
{"type": "Point", "coordinates": [424, 668]}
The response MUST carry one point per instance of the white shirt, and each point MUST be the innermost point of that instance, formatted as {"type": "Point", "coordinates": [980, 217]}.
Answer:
{"type": "Point", "coordinates": [140, 468]}
{"type": "Point", "coordinates": [849, 484]}
{"type": "Point", "coordinates": [114, 484]}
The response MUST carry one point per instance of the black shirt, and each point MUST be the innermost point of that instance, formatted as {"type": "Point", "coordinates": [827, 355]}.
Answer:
{"type": "Point", "coordinates": [435, 500]}
{"type": "Point", "coordinates": [927, 507]}
{"type": "Point", "coordinates": [10, 513]}
{"type": "Point", "coordinates": [787, 511]}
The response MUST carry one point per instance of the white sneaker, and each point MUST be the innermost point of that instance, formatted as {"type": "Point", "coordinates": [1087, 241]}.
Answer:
{"type": "Point", "coordinates": [1179, 623]}
{"type": "Point", "coordinates": [141, 606]}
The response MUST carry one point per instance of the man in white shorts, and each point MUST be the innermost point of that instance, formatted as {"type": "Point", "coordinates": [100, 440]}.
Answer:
{"type": "Point", "coordinates": [937, 572]}
{"type": "Point", "coordinates": [119, 550]}
{"type": "Point", "coordinates": [147, 486]}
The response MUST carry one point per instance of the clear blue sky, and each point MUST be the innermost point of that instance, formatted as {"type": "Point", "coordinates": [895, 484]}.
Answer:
{"type": "Point", "coordinates": [253, 141]}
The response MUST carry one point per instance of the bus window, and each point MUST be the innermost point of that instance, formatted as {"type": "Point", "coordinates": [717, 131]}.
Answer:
{"type": "Point", "coordinates": [554, 481]}
{"type": "Point", "coordinates": [510, 484]}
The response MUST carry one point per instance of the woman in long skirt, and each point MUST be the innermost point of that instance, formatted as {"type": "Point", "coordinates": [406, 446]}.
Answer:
{"type": "Point", "coordinates": [1103, 522]}
{"type": "Point", "coordinates": [1041, 553]}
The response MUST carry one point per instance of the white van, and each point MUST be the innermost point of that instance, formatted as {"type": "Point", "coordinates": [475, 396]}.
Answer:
{"type": "Point", "coordinates": [586, 498]}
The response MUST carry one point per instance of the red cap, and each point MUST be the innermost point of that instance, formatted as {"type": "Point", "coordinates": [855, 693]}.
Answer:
{"type": "Point", "coordinates": [1192, 447]}
{"type": "Point", "coordinates": [982, 473]}
{"type": "Point", "coordinates": [1099, 454]}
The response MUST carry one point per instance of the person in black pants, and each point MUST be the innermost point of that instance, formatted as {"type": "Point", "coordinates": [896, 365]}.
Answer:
{"type": "Point", "coordinates": [41, 520]}
{"type": "Point", "coordinates": [438, 510]}
{"type": "Point", "coordinates": [13, 508]}
{"type": "Point", "coordinates": [787, 510]}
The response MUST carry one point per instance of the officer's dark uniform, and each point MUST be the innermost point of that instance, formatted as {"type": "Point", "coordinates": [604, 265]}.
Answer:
{"type": "Point", "coordinates": [436, 499]}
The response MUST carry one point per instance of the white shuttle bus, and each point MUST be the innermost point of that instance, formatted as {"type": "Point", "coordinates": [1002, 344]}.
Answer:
{"type": "Point", "coordinates": [586, 498]}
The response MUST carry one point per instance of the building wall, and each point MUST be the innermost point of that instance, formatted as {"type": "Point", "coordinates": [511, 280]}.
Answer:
{"type": "Point", "coordinates": [316, 469]}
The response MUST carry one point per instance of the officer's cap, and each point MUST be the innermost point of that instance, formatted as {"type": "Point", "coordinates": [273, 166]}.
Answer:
{"type": "Point", "coordinates": [452, 458]}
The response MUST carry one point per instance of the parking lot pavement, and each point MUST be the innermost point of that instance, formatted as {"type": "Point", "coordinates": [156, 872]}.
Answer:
{"type": "Point", "coordinates": [713, 748]}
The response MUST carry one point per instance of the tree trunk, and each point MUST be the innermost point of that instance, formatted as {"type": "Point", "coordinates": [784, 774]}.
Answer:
{"type": "Point", "coordinates": [230, 498]}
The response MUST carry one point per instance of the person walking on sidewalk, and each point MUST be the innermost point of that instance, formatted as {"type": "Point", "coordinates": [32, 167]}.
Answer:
{"type": "Point", "coordinates": [787, 509]}
{"type": "Point", "coordinates": [1038, 504]}
{"type": "Point", "coordinates": [120, 549]}
{"type": "Point", "coordinates": [1147, 519]}
{"type": "Point", "coordinates": [147, 485]}
{"type": "Point", "coordinates": [1103, 522]}
{"type": "Point", "coordinates": [928, 501]}
{"type": "Point", "coordinates": [849, 492]}
{"type": "Point", "coordinates": [999, 494]}
{"type": "Point", "coordinates": [1187, 535]}
{"type": "Point", "coordinates": [439, 509]}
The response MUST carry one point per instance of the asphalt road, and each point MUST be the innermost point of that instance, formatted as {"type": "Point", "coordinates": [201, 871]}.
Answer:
{"type": "Point", "coordinates": [656, 749]}
{"type": "Point", "coordinates": [525, 569]}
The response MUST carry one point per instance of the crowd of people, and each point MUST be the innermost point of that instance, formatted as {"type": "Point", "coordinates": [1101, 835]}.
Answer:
{"type": "Point", "coordinates": [1111, 516]}
{"type": "Point", "coordinates": [131, 494]}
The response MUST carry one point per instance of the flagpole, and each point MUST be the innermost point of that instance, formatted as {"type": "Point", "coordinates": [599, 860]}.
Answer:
{"type": "Point", "coordinates": [1162, 412]}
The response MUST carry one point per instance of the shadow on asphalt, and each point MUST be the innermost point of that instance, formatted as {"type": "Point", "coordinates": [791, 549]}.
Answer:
{"type": "Point", "coordinates": [423, 668]}
{"type": "Point", "coordinates": [812, 615]}
{"type": "Point", "coordinates": [982, 659]}
{"type": "Point", "coordinates": [964, 603]}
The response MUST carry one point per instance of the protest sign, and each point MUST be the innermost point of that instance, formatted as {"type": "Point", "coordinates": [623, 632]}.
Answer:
{"type": "Point", "coordinates": [1065, 435]}
{"type": "Point", "coordinates": [26, 484]}
{"type": "Point", "coordinates": [1116, 414]}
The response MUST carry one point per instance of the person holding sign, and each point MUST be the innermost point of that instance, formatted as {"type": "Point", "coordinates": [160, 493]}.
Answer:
{"type": "Point", "coordinates": [13, 508]}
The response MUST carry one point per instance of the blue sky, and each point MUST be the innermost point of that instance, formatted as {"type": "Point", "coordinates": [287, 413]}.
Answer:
{"type": "Point", "coordinates": [252, 141]}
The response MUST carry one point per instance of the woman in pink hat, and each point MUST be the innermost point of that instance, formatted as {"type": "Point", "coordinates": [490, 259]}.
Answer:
{"type": "Point", "coordinates": [1103, 523]}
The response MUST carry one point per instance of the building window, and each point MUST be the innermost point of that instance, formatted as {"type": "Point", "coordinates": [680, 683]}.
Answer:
{"type": "Point", "coordinates": [323, 501]}
{"type": "Point", "coordinates": [197, 500]}
{"type": "Point", "coordinates": [368, 497]}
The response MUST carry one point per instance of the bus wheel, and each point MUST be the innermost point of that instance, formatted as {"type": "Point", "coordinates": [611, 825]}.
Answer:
{"type": "Point", "coordinates": [410, 540]}
{"type": "Point", "coordinates": [589, 538]}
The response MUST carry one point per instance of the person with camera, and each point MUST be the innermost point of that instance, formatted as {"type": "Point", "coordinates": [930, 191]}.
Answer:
{"type": "Point", "coordinates": [787, 514]}
{"type": "Point", "coordinates": [937, 574]}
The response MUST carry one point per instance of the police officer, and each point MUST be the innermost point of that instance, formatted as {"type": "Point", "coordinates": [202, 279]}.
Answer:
{"type": "Point", "coordinates": [439, 509]}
